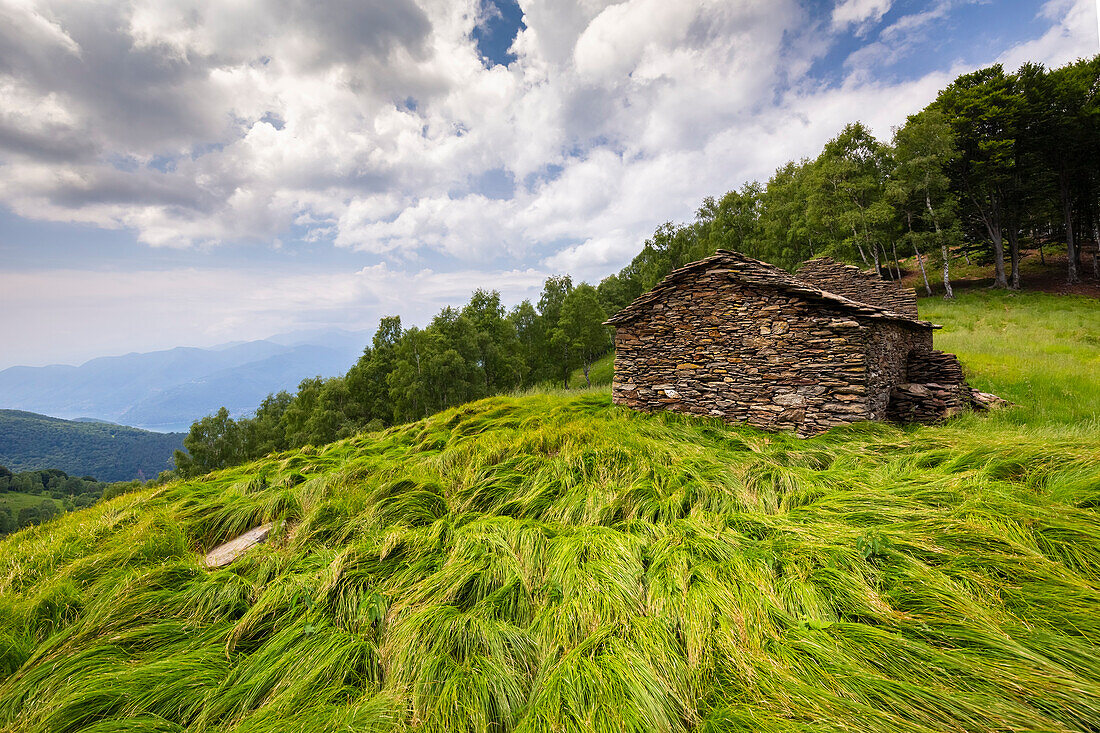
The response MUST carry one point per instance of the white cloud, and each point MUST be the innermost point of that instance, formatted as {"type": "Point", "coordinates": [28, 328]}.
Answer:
{"type": "Point", "coordinates": [1072, 33]}
{"type": "Point", "coordinates": [859, 12]}
{"type": "Point", "coordinates": [373, 124]}
{"type": "Point", "coordinates": [243, 118]}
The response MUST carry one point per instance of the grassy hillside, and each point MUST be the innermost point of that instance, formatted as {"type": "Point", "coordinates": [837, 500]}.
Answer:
{"type": "Point", "coordinates": [29, 442]}
{"type": "Point", "coordinates": [1038, 350]}
{"type": "Point", "coordinates": [550, 562]}
{"type": "Point", "coordinates": [13, 501]}
{"type": "Point", "coordinates": [601, 373]}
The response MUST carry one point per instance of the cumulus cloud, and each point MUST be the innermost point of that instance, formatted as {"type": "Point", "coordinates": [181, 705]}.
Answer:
{"type": "Point", "coordinates": [376, 125]}
{"type": "Point", "coordinates": [1073, 31]}
{"type": "Point", "coordinates": [859, 13]}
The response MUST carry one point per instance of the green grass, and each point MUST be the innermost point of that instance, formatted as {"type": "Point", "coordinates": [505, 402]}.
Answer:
{"type": "Point", "coordinates": [601, 373]}
{"type": "Point", "coordinates": [548, 562]}
{"type": "Point", "coordinates": [1037, 350]}
{"type": "Point", "coordinates": [15, 500]}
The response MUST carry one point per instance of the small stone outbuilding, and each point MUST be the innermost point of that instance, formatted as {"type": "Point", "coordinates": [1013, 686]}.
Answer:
{"type": "Point", "coordinates": [739, 339]}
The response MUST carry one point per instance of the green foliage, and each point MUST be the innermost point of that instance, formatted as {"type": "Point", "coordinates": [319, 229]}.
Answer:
{"type": "Point", "coordinates": [580, 328]}
{"type": "Point", "coordinates": [34, 497]}
{"type": "Point", "coordinates": [40, 511]}
{"type": "Point", "coordinates": [30, 442]}
{"type": "Point", "coordinates": [920, 187]}
{"type": "Point", "coordinates": [407, 374]}
{"type": "Point", "coordinates": [551, 562]}
{"type": "Point", "coordinates": [212, 442]}
{"type": "Point", "coordinates": [601, 373]}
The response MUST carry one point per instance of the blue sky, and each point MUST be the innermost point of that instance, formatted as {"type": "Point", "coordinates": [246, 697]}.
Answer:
{"type": "Point", "coordinates": [190, 172]}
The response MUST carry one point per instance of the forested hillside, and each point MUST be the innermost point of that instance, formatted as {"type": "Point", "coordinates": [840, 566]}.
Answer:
{"type": "Point", "coordinates": [29, 442]}
{"type": "Point", "coordinates": [1000, 162]}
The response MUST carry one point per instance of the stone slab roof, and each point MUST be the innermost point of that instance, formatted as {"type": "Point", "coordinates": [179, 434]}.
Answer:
{"type": "Point", "coordinates": [754, 272]}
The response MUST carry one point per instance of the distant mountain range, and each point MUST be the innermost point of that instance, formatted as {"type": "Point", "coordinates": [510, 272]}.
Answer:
{"type": "Point", "coordinates": [30, 442]}
{"type": "Point", "coordinates": [168, 390]}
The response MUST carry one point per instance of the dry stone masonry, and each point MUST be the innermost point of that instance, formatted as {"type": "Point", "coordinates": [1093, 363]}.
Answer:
{"type": "Point", "coordinates": [857, 285]}
{"type": "Point", "coordinates": [739, 339]}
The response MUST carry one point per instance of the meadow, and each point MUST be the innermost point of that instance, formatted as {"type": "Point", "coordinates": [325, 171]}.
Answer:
{"type": "Point", "coordinates": [549, 562]}
{"type": "Point", "coordinates": [1037, 350]}
{"type": "Point", "coordinates": [13, 501]}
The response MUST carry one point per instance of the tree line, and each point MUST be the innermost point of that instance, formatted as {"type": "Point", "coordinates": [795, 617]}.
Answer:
{"type": "Point", "coordinates": [996, 160]}
{"type": "Point", "coordinates": [58, 491]}
{"type": "Point", "coordinates": [405, 374]}
{"type": "Point", "coordinates": [109, 452]}
{"type": "Point", "coordinates": [28, 498]}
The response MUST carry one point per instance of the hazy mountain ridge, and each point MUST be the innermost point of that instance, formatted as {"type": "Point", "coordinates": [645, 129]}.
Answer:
{"type": "Point", "coordinates": [167, 390]}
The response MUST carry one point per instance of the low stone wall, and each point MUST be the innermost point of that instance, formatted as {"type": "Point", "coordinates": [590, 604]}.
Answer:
{"type": "Point", "coordinates": [890, 349]}
{"type": "Point", "coordinates": [927, 403]}
{"type": "Point", "coordinates": [854, 284]}
{"type": "Point", "coordinates": [935, 366]}
{"type": "Point", "coordinates": [936, 389]}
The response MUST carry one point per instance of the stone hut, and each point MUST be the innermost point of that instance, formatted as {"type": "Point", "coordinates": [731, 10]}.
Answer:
{"type": "Point", "coordinates": [739, 339]}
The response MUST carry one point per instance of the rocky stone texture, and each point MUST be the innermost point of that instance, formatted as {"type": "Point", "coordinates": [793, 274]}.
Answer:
{"type": "Point", "coordinates": [741, 340]}
{"type": "Point", "coordinates": [225, 554]}
{"type": "Point", "coordinates": [933, 365]}
{"type": "Point", "coordinates": [853, 283]}
{"type": "Point", "coordinates": [936, 389]}
{"type": "Point", "coordinates": [736, 338]}
{"type": "Point", "coordinates": [926, 403]}
{"type": "Point", "coordinates": [986, 401]}
{"type": "Point", "coordinates": [891, 349]}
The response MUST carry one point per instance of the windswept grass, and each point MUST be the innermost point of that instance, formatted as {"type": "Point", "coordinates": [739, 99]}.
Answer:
{"type": "Point", "coordinates": [549, 562]}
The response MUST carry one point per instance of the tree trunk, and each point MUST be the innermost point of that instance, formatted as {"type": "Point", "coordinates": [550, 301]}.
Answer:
{"type": "Point", "coordinates": [923, 272]}
{"type": "Point", "coordinates": [897, 264]}
{"type": "Point", "coordinates": [894, 273]}
{"type": "Point", "coordinates": [1096, 246]}
{"type": "Point", "coordinates": [947, 291]}
{"type": "Point", "coordinates": [1000, 280]}
{"type": "Point", "coordinates": [855, 238]}
{"type": "Point", "coordinates": [587, 366]}
{"type": "Point", "coordinates": [1071, 245]}
{"type": "Point", "coordinates": [1014, 251]}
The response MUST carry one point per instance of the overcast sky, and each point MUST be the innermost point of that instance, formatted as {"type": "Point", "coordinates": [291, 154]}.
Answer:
{"type": "Point", "coordinates": [188, 172]}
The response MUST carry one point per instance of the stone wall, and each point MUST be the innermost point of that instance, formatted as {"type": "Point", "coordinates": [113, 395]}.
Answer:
{"type": "Point", "coordinates": [926, 403]}
{"type": "Point", "coordinates": [714, 346]}
{"type": "Point", "coordinates": [890, 349]}
{"type": "Point", "coordinates": [933, 365]}
{"type": "Point", "coordinates": [935, 389]}
{"type": "Point", "coordinates": [864, 287]}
